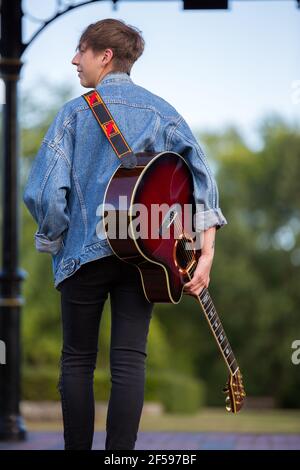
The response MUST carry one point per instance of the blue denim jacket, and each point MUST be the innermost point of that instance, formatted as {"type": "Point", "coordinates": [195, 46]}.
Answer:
{"type": "Point", "coordinates": [75, 162]}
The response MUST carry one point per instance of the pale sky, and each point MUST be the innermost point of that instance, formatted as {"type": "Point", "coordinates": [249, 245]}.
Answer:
{"type": "Point", "coordinates": [215, 67]}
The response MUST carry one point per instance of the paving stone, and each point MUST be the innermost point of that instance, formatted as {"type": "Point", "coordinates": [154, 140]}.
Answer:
{"type": "Point", "coordinates": [169, 441]}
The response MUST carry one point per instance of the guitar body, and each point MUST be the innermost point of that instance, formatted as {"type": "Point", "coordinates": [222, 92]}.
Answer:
{"type": "Point", "coordinates": [161, 183]}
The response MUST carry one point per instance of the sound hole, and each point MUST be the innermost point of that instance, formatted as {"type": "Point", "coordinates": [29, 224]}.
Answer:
{"type": "Point", "coordinates": [184, 252]}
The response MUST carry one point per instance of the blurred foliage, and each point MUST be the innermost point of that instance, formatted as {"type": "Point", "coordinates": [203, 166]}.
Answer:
{"type": "Point", "coordinates": [177, 393]}
{"type": "Point", "coordinates": [254, 279]}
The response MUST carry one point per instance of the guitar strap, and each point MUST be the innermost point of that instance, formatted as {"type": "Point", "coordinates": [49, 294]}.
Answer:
{"type": "Point", "coordinates": [110, 129]}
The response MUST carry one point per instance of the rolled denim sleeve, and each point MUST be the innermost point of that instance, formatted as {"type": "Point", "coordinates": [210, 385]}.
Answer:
{"type": "Point", "coordinates": [208, 213]}
{"type": "Point", "coordinates": [45, 196]}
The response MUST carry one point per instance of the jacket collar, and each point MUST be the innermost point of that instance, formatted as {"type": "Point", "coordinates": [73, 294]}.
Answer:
{"type": "Point", "coordinates": [115, 77]}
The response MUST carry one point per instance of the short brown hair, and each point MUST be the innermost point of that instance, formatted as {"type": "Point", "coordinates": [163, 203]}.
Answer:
{"type": "Point", "coordinates": [124, 40]}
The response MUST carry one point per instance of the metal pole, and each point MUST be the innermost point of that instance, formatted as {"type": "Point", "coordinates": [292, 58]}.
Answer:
{"type": "Point", "coordinates": [11, 276]}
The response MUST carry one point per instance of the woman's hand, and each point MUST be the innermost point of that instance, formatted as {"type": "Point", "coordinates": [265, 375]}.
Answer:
{"type": "Point", "coordinates": [201, 277]}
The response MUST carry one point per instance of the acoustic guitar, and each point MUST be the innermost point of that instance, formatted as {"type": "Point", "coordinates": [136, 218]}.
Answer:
{"type": "Point", "coordinates": [142, 218]}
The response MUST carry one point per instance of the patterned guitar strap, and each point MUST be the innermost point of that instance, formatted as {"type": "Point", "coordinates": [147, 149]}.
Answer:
{"type": "Point", "coordinates": [110, 129]}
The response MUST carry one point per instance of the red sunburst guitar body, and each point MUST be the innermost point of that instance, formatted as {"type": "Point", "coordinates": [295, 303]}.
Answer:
{"type": "Point", "coordinates": [159, 181]}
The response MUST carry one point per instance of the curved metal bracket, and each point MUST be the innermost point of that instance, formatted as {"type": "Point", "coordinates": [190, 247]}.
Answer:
{"type": "Point", "coordinates": [59, 12]}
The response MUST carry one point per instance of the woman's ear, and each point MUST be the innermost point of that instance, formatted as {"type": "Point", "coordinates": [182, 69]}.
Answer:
{"type": "Point", "coordinates": [108, 56]}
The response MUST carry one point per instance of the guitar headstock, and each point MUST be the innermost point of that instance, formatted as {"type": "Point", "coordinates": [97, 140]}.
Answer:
{"type": "Point", "coordinates": [234, 389]}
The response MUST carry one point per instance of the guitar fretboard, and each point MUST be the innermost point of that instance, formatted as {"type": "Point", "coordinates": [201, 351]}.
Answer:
{"type": "Point", "coordinates": [218, 331]}
{"type": "Point", "coordinates": [216, 326]}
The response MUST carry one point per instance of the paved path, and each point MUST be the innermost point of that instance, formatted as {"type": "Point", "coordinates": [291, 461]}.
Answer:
{"type": "Point", "coordinates": [170, 440]}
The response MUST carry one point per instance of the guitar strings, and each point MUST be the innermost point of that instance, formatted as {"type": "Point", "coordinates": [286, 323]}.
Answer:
{"type": "Point", "coordinates": [189, 257]}
{"type": "Point", "coordinates": [186, 254]}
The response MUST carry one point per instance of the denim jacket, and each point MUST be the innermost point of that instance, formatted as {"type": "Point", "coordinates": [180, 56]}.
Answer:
{"type": "Point", "coordinates": [75, 162]}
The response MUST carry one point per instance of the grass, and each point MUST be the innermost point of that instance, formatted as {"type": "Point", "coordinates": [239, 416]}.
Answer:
{"type": "Point", "coordinates": [218, 420]}
{"type": "Point", "coordinates": [206, 420]}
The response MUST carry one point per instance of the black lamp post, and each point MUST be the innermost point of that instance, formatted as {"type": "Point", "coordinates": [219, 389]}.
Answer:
{"type": "Point", "coordinates": [11, 423]}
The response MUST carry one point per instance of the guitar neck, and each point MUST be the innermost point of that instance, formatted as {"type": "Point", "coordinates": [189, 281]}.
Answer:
{"type": "Point", "coordinates": [217, 329]}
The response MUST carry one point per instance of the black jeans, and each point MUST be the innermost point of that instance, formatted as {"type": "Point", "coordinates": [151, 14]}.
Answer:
{"type": "Point", "coordinates": [82, 299]}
